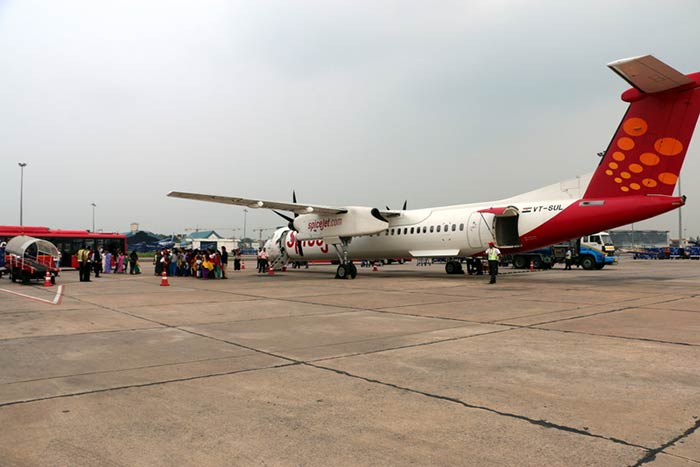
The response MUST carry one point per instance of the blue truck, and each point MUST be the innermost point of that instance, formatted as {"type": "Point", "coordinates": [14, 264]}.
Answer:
{"type": "Point", "coordinates": [591, 252]}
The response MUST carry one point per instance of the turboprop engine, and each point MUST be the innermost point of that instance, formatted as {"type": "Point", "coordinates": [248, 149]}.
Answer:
{"type": "Point", "coordinates": [356, 221]}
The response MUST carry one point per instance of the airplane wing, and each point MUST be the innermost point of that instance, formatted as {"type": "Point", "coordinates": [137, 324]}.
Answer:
{"type": "Point", "coordinates": [257, 203]}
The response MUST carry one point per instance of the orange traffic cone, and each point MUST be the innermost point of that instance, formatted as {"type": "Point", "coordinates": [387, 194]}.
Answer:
{"type": "Point", "coordinates": [374, 268]}
{"type": "Point", "coordinates": [270, 270]}
{"type": "Point", "coordinates": [164, 280]}
{"type": "Point", "coordinates": [47, 279]}
{"type": "Point", "coordinates": [532, 265]}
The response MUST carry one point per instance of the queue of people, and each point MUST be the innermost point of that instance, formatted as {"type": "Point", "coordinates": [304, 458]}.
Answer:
{"type": "Point", "coordinates": [101, 261]}
{"type": "Point", "coordinates": [202, 264]}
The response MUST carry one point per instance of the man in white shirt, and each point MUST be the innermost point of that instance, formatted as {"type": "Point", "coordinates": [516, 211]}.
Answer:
{"type": "Point", "coordinates": [493, 255]}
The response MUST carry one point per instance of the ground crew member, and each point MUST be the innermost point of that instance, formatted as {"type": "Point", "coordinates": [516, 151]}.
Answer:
{"type": "Point", "coordinates": [493, 255]}
{"type": "Point", "coordinates": [80, 257]}
{"type": "Point", "coordinates": [567, 259]}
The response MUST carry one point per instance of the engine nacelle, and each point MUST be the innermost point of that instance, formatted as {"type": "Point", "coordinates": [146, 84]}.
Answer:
{"type": "Point", "coordinates": [355, 222]}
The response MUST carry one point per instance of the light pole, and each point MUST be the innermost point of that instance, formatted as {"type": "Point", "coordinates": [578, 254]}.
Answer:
{"type": "Point", "coordinates": [22, 165]}
{"type": "Point", "coordinates": [245, 214]}
{"type": "Point", "coordinates": [93, 215]}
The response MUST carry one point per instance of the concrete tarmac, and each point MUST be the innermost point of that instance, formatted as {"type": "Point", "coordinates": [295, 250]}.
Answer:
{"type": "Point", "coordinates": [405, 366]}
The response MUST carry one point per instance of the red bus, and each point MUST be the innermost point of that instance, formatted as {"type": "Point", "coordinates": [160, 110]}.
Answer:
{"type": "Point", "coordinates": [68, 242]}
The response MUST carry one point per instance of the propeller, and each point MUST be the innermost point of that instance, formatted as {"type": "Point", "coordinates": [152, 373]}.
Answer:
{"type": "Point", "coordinates": [405, 203]}
{"type": "Point", "coordinates": [290, 221]}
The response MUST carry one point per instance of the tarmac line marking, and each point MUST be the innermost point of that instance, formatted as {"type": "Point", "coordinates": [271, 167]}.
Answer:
{"type": "Point", "coordinates": [56, 300]}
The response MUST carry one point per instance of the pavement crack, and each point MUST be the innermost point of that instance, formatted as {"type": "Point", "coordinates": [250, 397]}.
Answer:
{"type": "Point", "coordinates": [652, 453]}
{"type": "Point", "coordinates": [541, 423]}
{"type": "Point", "coordinates": [145, 385]}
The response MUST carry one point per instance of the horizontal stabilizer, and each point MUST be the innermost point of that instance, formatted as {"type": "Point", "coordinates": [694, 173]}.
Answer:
{"type": "Point", "coordinates": [648, 74]}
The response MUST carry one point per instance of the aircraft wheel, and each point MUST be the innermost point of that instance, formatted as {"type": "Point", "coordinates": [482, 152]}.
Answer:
{"type": "Point", "coordinates": [352, 270]}
{"type": "Point", "coordinates": [25, 277]}
{"type": "Point", "coordinates": [453, 267]}
{"type": "Point", "coordinates": [341, 272]}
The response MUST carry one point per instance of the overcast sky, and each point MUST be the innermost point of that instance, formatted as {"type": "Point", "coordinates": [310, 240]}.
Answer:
{"type": "Point", "coordinates": [349, 103]}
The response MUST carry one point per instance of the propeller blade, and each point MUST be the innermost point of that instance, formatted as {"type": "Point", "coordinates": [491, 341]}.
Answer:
{"type": "Point", "coordinates": [283, 216]}
{"type": "Point", "coordinates": [388, 208]}
{"type": "Point", "coordinates": [294, 200]}
{"type": "Point", "coordinates": [301, 252]}
{"type": "Point", "coordinates": [404, 204]}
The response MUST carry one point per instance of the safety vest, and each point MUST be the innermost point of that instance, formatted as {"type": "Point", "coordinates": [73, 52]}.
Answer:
{"type": "Point", "coordinates": [492, 254]}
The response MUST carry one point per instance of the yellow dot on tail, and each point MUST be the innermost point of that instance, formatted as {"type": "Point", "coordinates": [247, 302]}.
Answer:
{"type": "Point", "coordinates": [625, 143]}
{"type": "Point", "coordinates": [608, 172]}
{"type": "Point", "coordinates": [618, 180]}
{"type": "Point", "coordinates": [668, 178]}
{"type": "Point", "coordinates": [613, 165]}
{"type": "Point", "coordinates": [649, 182]}
{"type": "Point", "coordinates": [624, 188]}
{"type": "Point", "coordinates": [618, 156]}
{"type": "Point", "coordinates": [635, 126]}
{"type": "Point", "coordinates": [668, 146]}
{"type": "Point", "coordinates": [625, 175]}
{"type": "Point", "coordinates": [636, 168]}
{"type": "Point", "coordinates": [635, 186]}
{"type": "Point", "coordinates": [650, 159]}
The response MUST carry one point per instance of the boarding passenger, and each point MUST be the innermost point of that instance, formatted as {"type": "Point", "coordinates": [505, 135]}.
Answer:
{"type": "Point", "coordinates": [262, 267]}
{"type": "Point", "coordinates": [97, 261]}
{"type": "Point", "coordinates": [493, 255]}
{"type": "Point", "coordinates": [224, 262]}
{"type": "Point", "coordinates": [237, 259]}
{"type": "Point", "coordinates": [133, 258]}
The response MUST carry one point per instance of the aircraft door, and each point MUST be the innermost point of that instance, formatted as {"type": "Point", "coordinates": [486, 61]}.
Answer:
{"type": "Point", "coordinates": [479, 231]}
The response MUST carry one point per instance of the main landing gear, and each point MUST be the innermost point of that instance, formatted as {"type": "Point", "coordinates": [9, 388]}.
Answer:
{"type": "Point", "coordinates": [346, 270]}
{"type": "Point", "coordinates": [453, 267]}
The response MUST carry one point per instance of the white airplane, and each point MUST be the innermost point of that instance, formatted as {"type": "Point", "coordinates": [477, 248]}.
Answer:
{"type": "Point", "coordinates": [634, 180]}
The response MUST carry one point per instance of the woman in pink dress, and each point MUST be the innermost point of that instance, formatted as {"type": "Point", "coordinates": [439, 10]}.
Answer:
{"type": "Point", "coordinates": [120, 262]}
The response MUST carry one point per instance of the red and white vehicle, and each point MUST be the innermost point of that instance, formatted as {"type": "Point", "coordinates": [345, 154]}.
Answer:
{"type": "Point", "coordinates": [634, 181]}
{"type": "Point", "coordinates": [28, 258]}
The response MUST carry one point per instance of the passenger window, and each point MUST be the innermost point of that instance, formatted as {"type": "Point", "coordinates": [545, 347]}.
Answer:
{"type": "Point", "coordinates": [392, 231]}
{"type": "Point", "coordinates": [411, 229]}
{"type": "Point", "coordinates": [405, 230]}
{"type": "Point", "coordinates": [438, 228]}
{"type": "Point", "coordinates": [454, 227]}
{"type": "Point", "coordinates": [431, 229]}
{"type": "Point", "coordinates": [424, 229]}
{"type": "Point", "coordinates": [461, 227]}
{"type": "Point", "coordinates": [446, 228]}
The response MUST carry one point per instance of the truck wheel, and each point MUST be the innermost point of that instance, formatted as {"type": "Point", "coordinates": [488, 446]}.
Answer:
{"type": "Point", "coordinates": [537, 263]}
{"type": "Point", "coordinates": [519, 262]}
{"type": "Point", "coordinates": [450, 267]}
{"type": "Point", "coordinates": [588, 263]}
{"type": "Point", "coordinates": [600, 266]}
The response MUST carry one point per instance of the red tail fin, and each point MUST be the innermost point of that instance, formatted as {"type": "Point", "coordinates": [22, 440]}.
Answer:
{"type": "Point", "coordinates": [646, 154]}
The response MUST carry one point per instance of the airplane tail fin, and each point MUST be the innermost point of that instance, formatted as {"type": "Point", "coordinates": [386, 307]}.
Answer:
{"type": "Point", "coordinates": [647, 151]}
